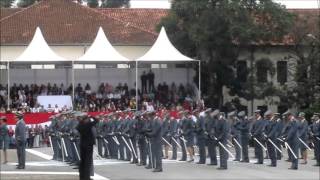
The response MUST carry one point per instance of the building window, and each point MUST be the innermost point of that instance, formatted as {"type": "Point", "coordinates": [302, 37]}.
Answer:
{"type": "Point", "coordinates": [242, 71]}
{"type": "Point", "coordinates": [263, 109]}
{"type": "Point", "coordinates": [282, 109]}
{"type": "Point", "coordinates": [282, 71]}
{"type": "Point", "coordinates": [262, 72]}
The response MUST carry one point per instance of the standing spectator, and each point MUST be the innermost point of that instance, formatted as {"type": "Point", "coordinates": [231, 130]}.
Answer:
{"type": "Point", "coordinates": [150, 80]}
{"type": "Point", "coordinates": [56, 109]}
{"type": "Point", "coordinates": [144, 82]}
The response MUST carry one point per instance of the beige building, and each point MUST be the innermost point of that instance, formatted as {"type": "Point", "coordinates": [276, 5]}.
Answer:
{"type": "Point", "coordinates": [70, 28]}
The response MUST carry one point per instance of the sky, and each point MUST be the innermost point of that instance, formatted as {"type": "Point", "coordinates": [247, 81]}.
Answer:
{"type": "Point", "coordinates": [299, 4]}
{"type": "Point", "coordinates": [303, 4]}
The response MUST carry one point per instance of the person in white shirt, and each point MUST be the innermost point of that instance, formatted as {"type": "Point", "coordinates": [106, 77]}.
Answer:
{"type": "Point", "coordinates": [56, 109]}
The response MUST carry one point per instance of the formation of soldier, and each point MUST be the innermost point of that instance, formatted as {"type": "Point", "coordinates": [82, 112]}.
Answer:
{"type": "Point", "coordinates": [144, 138]}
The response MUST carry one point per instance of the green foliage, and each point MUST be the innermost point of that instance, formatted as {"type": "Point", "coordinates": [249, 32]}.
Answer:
{"type": "Point", "coordinates": [92, 3]}
{"type": "Point", "coordinates": [211, 30]}
{"type": "Point", "coordinates": [25, 3]}
{"type": "Point", "coordinates": [305, 93]}
{"type": "Point", "coordinates": [115, 3]}
{"type": "Point", "coordinates": [6, 3]}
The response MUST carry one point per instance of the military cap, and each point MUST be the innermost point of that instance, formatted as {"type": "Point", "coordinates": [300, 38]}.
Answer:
{"type": "Point", "coordinates": [232, 113]}
{"type": "Point", "coordinates": [208, 110]}
{"type": "Point", "coordinates": [257, 111]}
{"type": "Point", "coordinates": [241, 113]}
{"type": "Point", "coordinates": [137, 113]}
{"type": "Point", "coordinates": [277, 114]}
{"type": "Point", "coordinates": [268, 113]}
{"type": "Point", "coordinates": [287, 113]}
{"type": "Point", "coordinates": [316, 114]}
{"type": "Point", "coordinates": [19, 114]}
{"type": "Point", "coordinates": [301, 114]}
{"type": "Point", "coordinates": [215, 112]}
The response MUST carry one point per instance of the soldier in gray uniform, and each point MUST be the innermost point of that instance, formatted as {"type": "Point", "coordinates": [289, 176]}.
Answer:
{"type": "Point", "coordinates": [201, 135]}
{"type": "Point", "coordinates": [20, 135]}
{"type": "Point", "coordinates": [280, 125]}
{"type": "Point", "coordinates": [315, 134]}
{"type": "Point", "coordinates": [53, 135]}
{"type": "Point", "coordinates": [211, 132]}
{"type": "Point", "coordinates": [271, 133]}
{"type": "Point", "coordinates": [173, 129]}
{"type": "Point", "coordinates": [244, 128]}
{"type": "Point", "coordinates": [155, 137]}
{"type": "Point", "coordinates": [235, 133]}
{"type": "Point", "coordinates": [4, 138]}
{"type": "Point", "coordinates": [291, 137]}
{"type": "Point", "coordinates": [222, 133]}
{"type": "Point", "coordinates": [303, 135]}
{"type": "Point", "coordinates": [100, 132]}
{"type": "Point", "coordinates": [257, 132]}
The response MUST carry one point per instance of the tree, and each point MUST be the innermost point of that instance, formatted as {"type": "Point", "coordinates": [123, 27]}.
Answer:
{"type": "Point", "coordinates": [6, 3]}
{"type": "Point", "coordinates": [115, 3]}
{"type": "Point", "coordinates": [25, 3]}
{"type": "Point", "coordinates": [214, 31]}
{"type": "Point", "coordinates": [93, 3]}
{"type": "Point", "coordinates": [304, 92]}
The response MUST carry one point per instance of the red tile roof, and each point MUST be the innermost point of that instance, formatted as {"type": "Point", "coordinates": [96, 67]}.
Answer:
{"type": "Point", "coordinates": [65, 22]}
{"type": "Point", "coordinates": [4, 12]}
{"type": "Point", "coordinates": [143, 18]}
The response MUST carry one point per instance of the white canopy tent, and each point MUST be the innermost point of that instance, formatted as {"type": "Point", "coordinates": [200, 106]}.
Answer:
{"type": "Point", "coordinates": [37, 51]}
{"type": "Point", "coordinates": [101, 51]}
{"type": "Point", "coordinates": [164, 51]}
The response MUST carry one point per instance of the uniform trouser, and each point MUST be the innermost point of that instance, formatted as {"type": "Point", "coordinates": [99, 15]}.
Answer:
{"type": "Point", "coordinates": [272, 152]}
{"type": "Point", "coordinates": [85, 162]}
{"type": "Point", "coordinates": [55, 148]}
{"type": "Point", "coordinates": [69, 148]}
{"type": "Point", "coordinates": [142, 150]}
{"type": "Point", "coordinates": [317, 150]}
{"type": "Point", "coordinates": [149, 154]}
{"type": "Point", "coordinates": [128, 151]}
{"type": "Point", "coordinates": [113, 147]}
{"type": "Point", "coordinates": [202, 149]}
{"type": "Point", "coordinates": [156, 153]}
{"type": "Point", "coordinates": [212, 150]}
{"type": "Point", "coordinates": [21, 153]}
{"type": "Point", "coordinates": [121, 147]}
{"type": "Point", "coordinates": [237, 148]}
{"type": "Point", "coordinates": [223, 155]}
{"type": "Point", "coordinates": [105, 144]}
{"type": "Point", "coordinates": [100, 145]}
{"type": "Point", "coordinates": [295, 148]}
{"type": "Point", "coordinates": [183, 149]}
{"type": "Point", "coordinates": [278, 144]}
{"type": "Point", "coordinates": [75, 152]}
{"type": "Point", "coordinates": [259, 150]}
{"type": "Point", "coordinates": [134, 148]}
{"type": "Point", "coordinates": [244, 144]}
{"type": "Point", "coordinates": [174, 148]}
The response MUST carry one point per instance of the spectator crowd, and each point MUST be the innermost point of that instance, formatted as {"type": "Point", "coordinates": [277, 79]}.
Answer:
{"type": "Point", "coordinates": [105, 98]}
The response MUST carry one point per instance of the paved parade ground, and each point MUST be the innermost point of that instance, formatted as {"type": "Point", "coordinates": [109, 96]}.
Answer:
{"type": "Point", "coordinates": [40, 167]}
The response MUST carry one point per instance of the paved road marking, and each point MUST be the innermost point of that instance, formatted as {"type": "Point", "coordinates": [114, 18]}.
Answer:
{"type": "Point", "coordinates": [48, 157]}
{"type": "Point", "coordinates": [40, 154]}
{"type": "Point", "coordinates": [96, 176]}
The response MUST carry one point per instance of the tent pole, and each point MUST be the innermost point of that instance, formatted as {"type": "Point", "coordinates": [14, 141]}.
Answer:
{"type": "Point", "coordinates": [72, 68]}
{"type": "Point", "coordinates": [8, 74]}
{"type": "Point", "coordinates": [137, 101]}
{"type": "Point", "coordinates": [199, 80]}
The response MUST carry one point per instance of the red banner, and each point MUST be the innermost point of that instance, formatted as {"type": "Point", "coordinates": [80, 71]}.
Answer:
{"type": "Point", "coordinates": [34, 118]}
